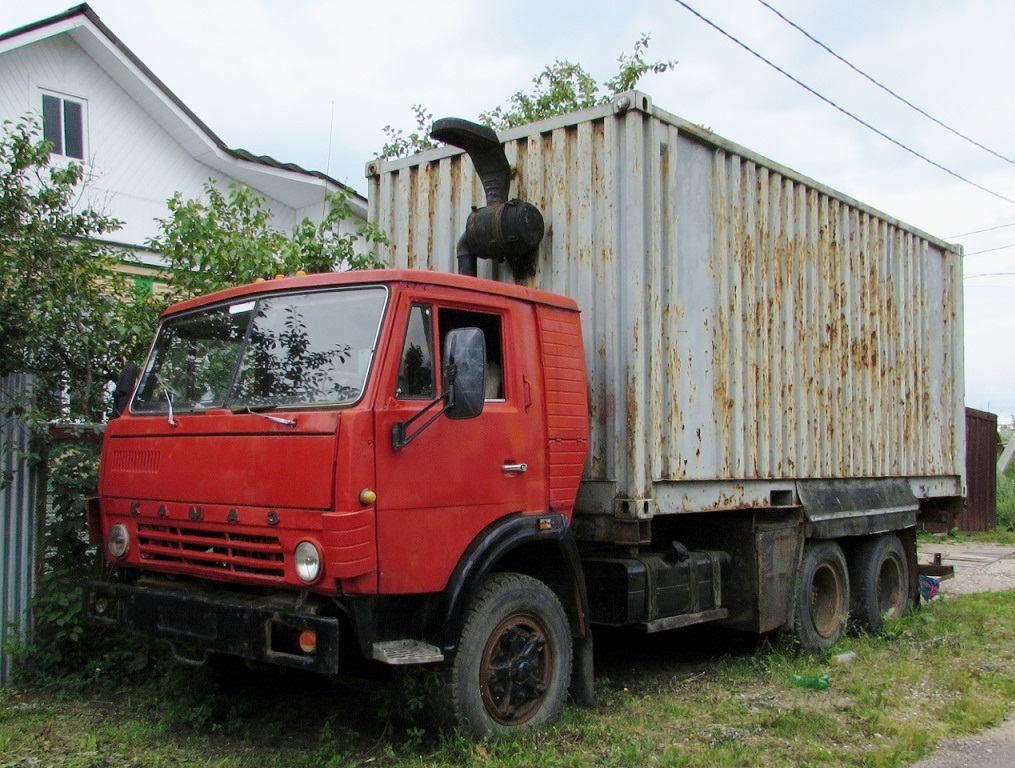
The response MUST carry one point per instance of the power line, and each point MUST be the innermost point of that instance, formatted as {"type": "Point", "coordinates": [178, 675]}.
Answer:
{"type": "Point", "coordinates": [980, 231]}
{"type": "Point", "coordinates": [989, 274]}
{"type": "Point", "coordinates": [843, 110]}
{"type": "Point", "coordinates": [991, 250]}
{"type": "Point", "coordinates": [885, 88]}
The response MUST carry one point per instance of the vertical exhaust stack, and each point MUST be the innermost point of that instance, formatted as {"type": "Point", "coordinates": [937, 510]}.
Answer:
{"type": "Point", "coordinates": [503, 230]}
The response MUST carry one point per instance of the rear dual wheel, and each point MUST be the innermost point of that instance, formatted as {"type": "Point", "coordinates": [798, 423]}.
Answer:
{"type": "Point", "coordinates": [879, 573]}
{"type": "Point", "coordinates": [874, 585]}
{"type": "Point", "coordinates": [822, 596]}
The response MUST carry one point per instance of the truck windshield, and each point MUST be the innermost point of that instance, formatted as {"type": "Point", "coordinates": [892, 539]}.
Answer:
{"type": "Point", "coordinates": [282, 350]}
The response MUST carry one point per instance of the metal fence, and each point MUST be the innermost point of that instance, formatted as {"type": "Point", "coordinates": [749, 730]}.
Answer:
{"type": "Point", "coordinates": [19, 495]}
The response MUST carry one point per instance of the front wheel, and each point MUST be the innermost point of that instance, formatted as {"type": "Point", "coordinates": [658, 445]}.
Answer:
{"type": "Point", "coordinates": [822, 596]}
{"type": "Point", "coordinates": [513, 663]}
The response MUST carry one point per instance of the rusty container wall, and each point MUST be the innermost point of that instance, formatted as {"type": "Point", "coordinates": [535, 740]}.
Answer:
{"type": "Point", "coordinates": [745, 327]}
{"type": "Point", "coordinates": [980, 513]}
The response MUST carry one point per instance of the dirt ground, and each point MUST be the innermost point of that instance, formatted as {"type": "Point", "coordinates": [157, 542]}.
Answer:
{"type": "Point", "coordinates": [978, 567]}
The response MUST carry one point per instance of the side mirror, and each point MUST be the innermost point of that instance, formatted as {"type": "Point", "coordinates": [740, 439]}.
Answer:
{"type": "Point", "coordinates": [464, 379]}
{"type": "Point", "coordinates": [464, 372]}
{"type": "Point", "coordinates": [124, 388]}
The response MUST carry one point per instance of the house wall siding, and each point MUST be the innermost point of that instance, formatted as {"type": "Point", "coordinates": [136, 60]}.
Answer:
{"type": "Point", "coordinates": [134, 166]}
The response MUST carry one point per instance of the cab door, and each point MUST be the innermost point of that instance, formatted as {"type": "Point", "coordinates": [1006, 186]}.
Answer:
{"type": "Point", "coordinates": [455, 477]}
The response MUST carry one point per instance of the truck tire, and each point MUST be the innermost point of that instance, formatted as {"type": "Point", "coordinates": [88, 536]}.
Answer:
{"type": "Point", "coordinates": [822, 605]}
{"type": "Point", "coordinates": [879, 576]}
{"type": "Point", "coordinates": [513, 664]}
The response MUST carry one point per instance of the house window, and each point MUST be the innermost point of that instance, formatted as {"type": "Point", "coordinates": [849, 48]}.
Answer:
{"type": "Point", "coordinates": [63, 123]}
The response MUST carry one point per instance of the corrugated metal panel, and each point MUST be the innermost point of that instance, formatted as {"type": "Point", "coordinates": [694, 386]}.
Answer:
{"type": "Point", "coordinates": [744, 326]}
{"type": "Point", "coordinates": [17, 522]}
{"type": "Point", "coordinates": [566, 404]}
{"type": "Point", "coordinates": [980, 513]}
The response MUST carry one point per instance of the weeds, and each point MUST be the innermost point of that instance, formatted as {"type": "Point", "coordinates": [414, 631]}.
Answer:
{"type": "Point", "coordinates": [676, 699]}
{"type": "Point", "coordinates": [1006, 500]}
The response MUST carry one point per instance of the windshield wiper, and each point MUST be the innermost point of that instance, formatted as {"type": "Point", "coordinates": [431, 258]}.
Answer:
{"type": "Point", "coordinates": [277, 419]}
{"type": "Point", "coordinates": [166, 390]}
{"type": "Point", "coordinates": [255, 408]}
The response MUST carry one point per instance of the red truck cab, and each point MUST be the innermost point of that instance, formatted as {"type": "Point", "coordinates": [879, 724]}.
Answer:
{"type": "Point", "coordinates": [305, 468]}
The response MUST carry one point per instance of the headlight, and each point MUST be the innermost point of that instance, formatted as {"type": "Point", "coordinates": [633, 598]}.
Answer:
{"type": "Point", "coordinates": [118, 541]}
{"type": "Point", "coordinates": [308, 562]}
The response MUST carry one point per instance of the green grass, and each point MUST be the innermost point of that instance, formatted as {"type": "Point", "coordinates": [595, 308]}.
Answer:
{"type": "Point", "coordinates": [679, 699]}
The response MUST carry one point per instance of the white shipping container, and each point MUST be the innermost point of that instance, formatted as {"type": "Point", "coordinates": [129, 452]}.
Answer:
{"type": "Point", "coordinates": [747, 329]}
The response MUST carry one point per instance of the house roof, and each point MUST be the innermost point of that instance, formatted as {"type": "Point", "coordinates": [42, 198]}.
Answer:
{"type": "Point", "coordinates": [286, 182]}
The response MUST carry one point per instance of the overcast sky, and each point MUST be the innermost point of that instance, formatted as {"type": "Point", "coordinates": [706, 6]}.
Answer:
{"type": "Point", "coordinates": [314, 82]}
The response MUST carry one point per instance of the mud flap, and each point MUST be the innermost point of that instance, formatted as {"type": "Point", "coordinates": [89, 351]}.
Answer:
{"type": "Point", "coordinates": [860, 507]}
{"type": "Point", "coordinates": [582, 689]}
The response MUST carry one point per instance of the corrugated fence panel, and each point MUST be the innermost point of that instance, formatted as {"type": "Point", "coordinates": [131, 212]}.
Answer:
{"type": "Point", "coordinates": [17, 522]}
{"type": "Point", "coordinates": [741, 323]}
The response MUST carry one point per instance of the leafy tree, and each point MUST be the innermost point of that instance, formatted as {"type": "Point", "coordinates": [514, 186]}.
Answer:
{"type": "Point", "coordinates": [228, 239]}
{"type": "Point", "coordinates": [400, 145]}
{"type": "Point", "coordinates": [560, 88]}
{"type": "Point", "coordinates": [66, 315]}
{"type": "Point", "coordinates": [70, 319]}
{"type": "Point", "coordinates": [634, 67]}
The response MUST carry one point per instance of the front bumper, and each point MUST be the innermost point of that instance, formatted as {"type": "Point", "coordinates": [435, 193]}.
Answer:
{"type": "Point", "coordinates": [196, 623]}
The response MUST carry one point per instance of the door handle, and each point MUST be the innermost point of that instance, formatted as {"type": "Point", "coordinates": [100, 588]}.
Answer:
{"type": "Point", "coordinates": [515, 467]}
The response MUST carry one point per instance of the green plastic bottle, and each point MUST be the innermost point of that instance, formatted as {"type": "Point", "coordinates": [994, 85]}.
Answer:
{"type": "Point", "coordinates": [817, 682]}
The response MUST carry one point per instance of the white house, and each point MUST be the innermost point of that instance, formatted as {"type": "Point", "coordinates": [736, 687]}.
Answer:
{"type": "Point", "coordinates": [139, 143]}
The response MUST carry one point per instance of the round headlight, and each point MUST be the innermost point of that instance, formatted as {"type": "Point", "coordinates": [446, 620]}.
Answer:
{"type": "Point", "coordinates": [308, 562]}
{"type": "Point", "coordinates": [118, 541]}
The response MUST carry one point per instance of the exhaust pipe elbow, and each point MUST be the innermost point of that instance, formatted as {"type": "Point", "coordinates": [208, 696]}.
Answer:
{"type": "Point", "coordinates": [503, 230]}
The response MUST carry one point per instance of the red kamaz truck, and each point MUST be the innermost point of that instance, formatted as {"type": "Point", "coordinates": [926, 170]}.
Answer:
{"type": "Point", "coordinates": [733, 404]}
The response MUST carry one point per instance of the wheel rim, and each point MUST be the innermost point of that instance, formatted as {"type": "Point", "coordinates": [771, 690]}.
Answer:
{"type": "Point", "coordinates": [890, 588]}
{"type": "Point", "coordinates": [516, 669]}
{"type": "Point", "coordinates": [826, 600]}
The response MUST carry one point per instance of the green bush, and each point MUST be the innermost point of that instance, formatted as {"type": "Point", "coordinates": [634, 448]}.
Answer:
{"type": "Point", "coordinates": [1006, 500]}
{"type": "Point", "coordinates": [62, 646]}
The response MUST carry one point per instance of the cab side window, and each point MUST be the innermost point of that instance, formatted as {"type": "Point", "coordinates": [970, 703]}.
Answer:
{"type": "Point", "coordinates": [416, 372]}
{"type": "Point", "coordinates": [490, 325]}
